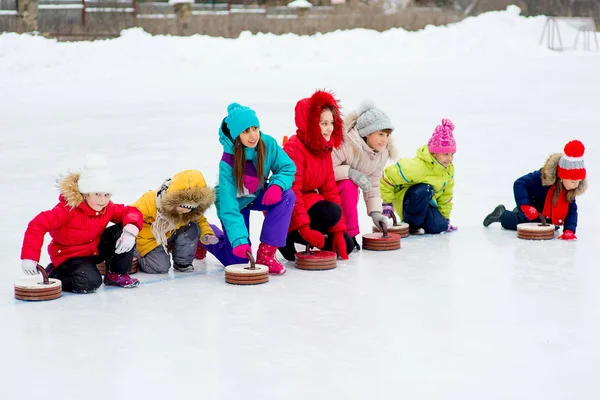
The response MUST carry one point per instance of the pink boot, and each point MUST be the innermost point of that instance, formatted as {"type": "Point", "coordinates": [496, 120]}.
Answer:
{"type": "Point", "coordinates": [266, 256]}
{"type": "Point", "coordinates": [200, 252]}
{"type": "Point", "coordinates": [123, 280]}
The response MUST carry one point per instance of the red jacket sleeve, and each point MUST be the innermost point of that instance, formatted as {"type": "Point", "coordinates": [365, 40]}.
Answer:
{"type": "Point", "coordinates": [299, 214]}
{"type": "Point", "coordinates": [329, 190]}
{"type": "Point", "coordinates": [43, 223]}
{"type": "Point", "coordinates": [121, 213]}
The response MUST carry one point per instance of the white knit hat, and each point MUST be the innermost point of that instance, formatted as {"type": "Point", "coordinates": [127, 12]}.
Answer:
{"type": "Point", "coordinates": [371, 119]}
{"type": "Point", "coordinates": [94, 177]}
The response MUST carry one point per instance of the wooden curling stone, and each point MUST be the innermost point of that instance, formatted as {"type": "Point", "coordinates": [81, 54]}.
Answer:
{"type": "Point", "coordinates": [101, 268]}
{"type": "Point", "coordinates": [383, 241]}
{"type": "Point", "coordinates": [244, 274]}
{"type": "Point", "coordinates": [319, 260]}
{"type": "Point", "coordinates": [397, 228]}
{"type": "Point", "coordinates": [32, 289]}
{"type": "Point", "coordinates": [535, 231]}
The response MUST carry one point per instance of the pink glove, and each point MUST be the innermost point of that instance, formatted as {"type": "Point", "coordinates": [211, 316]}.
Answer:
{"type": "Point", "coordinates": [530, 212]}
{"type": "Point", "coordinates": [272, 195]}
{"type": "Point", "coordinates": [451, 227]}
{"type": "Point", "coordinates": [568, 235]}
{"type": "Point", "coordinates": [241, 250]}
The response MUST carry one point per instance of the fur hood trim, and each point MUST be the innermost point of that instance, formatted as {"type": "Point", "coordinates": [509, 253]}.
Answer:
{"type": "Point", "coordinates": [69, 189]}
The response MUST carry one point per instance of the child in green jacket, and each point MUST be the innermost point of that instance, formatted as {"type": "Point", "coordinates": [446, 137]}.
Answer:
{"type": "Point", "coordinates": [420, 189]}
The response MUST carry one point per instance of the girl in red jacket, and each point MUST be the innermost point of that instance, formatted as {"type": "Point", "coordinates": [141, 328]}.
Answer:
{"type": "Point", "coordinates": [317, 212]}
{"type": "Point", "coordinates": [80, 238]}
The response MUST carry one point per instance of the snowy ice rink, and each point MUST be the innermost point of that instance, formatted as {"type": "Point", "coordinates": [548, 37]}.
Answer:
{"type": "Point", "coordinates": [476, 314]}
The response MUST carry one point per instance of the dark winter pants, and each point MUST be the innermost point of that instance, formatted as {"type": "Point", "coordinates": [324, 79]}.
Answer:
{"type": "Point", "coordinates": [274, 229]}
{"type": "Point", "coordinates": [420, 213]}
{"type": "Point", "coordinates": [323, 215]}
{"type": "Point", "coordinates": [80, 274]}
{"type": "Point", "coordinates": [183, 243]}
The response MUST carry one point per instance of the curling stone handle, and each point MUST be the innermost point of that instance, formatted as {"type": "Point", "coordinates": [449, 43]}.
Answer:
{"type": "Point", "coordinates": [544, 223]}
{"type": "Point", "coordinates": [309, 248]}
{"type": "Point", "coordinates": [394, 219]}
{"type": "Point", "coordinates": [384, 229]}
{"type": "Point", "coordinates": [251, 258]}
{"type": "Point", "coordinates": [42, 271]}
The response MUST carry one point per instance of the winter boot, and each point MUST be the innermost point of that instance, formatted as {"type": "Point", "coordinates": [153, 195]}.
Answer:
{"type": "Point", "coordinates": [288, 252]}
{"type": "Point", "coordinates": [183, 268]}
{"type": "Point", "coordinates": [356, 245]}
{"type": "Point", "coordinates": [494, 216]}
{"type": "Point", "coordinates": [266, 256]}
{"type": "Point", "coordinates": [123, 280]}
{"type": "Point", "coordinates": [200, 253]}
{"type": "Point", "coordinates": [416, 231]}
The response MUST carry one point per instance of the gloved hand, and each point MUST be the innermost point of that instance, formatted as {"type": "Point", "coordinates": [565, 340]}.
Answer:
{"type": "Point", "coordinates": [568, 235]}
{"type": "Point", "coordinates": [388, 209]}
{"type": "Point", "coordinates": [378, 218]}
{"type": "Point", "coordinates": [451, 227]}
{"type": "Point", "coordinates": [314, 238]}
{"type": "Point", "coordinates": [338, 245]}
{"type": "Point", "coordinates": [359, 179]}
{"type": "Point", "coordinates": [29, 267]}
{"type": "Point", "coordinates": [127, 239]}
{"type": "Point", "coordinates": [241, 250]}
{"type": "Point", "coordinates": [209, 239]}
{"type": "Point", "coordinates": [272, 195]}
{"type": "Point", "coordinates": [530, 212]}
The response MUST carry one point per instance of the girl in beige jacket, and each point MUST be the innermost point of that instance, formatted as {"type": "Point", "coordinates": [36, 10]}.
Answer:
{"type": "Point", "coordinates": [359, 162]}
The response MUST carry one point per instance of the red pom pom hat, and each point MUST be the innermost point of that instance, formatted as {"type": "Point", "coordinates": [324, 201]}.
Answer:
{"type": "Point", "coordinates": [570, 165]}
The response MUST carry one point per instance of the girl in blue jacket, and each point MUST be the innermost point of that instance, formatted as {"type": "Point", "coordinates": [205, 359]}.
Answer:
{"type": "Point", "coordinates": [550, 191]}
{"type": "Point", "coordinates": [249, 157]}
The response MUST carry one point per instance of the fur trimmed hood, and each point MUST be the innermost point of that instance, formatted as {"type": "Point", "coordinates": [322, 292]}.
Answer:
{"type": "Point", "coordinates": [549, 171]}
{"type": "Point", "coordinates": [351, 135]}
{"type": "Point", "coordinates": [187, 188]}
{"type": "Point", "coordinates": [69, 189]}
{"type": "Point", "coordinates": [308, 114]}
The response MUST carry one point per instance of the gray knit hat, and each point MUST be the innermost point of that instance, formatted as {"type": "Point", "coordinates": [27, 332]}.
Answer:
{"type": "Point", "coordinates": [371, 119]}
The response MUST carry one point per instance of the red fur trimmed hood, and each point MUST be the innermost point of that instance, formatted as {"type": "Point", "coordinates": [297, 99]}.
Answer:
{"type": "Point", "coordinates": [308, 115]}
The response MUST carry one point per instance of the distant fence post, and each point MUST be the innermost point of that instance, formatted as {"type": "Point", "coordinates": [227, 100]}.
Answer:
{"type": "Point", "coordinates": [183, 13]}
{"type": "Point", "coordinates": [27, 11]}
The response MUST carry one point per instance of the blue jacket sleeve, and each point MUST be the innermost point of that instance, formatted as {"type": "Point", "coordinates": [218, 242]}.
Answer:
{"type": "Point", "coordinates": [282, 166]}
{"type": "Point", "coordinates": [571, 218]}
{"type": "Point", "coordinates": [524, 184]}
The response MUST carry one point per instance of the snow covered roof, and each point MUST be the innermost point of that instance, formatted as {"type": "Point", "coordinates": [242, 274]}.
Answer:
{"type": "Point", "coordinates": [300, 4]}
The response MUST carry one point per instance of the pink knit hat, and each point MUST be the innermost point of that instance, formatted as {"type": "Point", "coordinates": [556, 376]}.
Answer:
{"type": "Point", "coordinates": [442, 140]}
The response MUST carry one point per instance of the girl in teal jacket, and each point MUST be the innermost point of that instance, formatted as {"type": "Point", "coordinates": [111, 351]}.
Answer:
{"type": "Point", "coordinates": [249, 157]}
{"type": "Point", "coordinates": [420, 189]}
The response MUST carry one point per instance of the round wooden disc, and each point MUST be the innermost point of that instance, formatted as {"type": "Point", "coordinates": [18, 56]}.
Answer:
{"type": "Point", "coordinates": [40, 291]}
{"type": "Point", "coordinates": [38, 297]}
{"type": "Point", "coordinates": [249, 280]}
{"type": "Point", "coordinates": [35, 283]}
{"type": "Point", "coordinates": [134, 266]}
{"type": "Point", "coordinates": [319, 260]}
{"type": "Point", "coordinates": [400, 229]}
{"type": "Point", "coordinates": [101, 268]}
{"type": "Point", "coordinates": [244, 269]}
{"type": "Point", "coordinates": [375, 241]}
{"type": "Point", "coordinates": [535, 231]}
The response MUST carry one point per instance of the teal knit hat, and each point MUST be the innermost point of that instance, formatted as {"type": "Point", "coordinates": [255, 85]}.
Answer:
{"type": "Point", "coordinates": [239, 118]}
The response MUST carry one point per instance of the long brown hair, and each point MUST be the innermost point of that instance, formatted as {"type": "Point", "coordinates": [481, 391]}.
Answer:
{"type": "Point", "coordinates": [239, 163]}
{"type": "Point", "coordinates": [571, 194]}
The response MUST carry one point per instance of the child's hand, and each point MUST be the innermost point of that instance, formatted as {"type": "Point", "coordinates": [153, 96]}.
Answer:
{"type": "Point", "coordinates": [338, 245]}
{"type": "Point", "coordinates": [127, 239]}
{"type": "Point", "coordinates": [314, 238]}
{"type": "Point", "coordinates": [378, 218]}
{"type": "Point", "coordinates": [530, 212]}
{"type": "Point", "coordinates": [568, 235]}
{"type": "Point", "coordinates": [209, 239]}
{"type": "Point", "coordinates": [359, 179]}
{"type": "Point", "coordinates": [241, 250]}
{"type": "Point", "coordinates": [29, 267]}
{"type": "Point", "coordinates": [272, 195]}
{"type": "Point", "coordinates": [388, 209]}
{"type": "Point", "coordinates": [451, 227]}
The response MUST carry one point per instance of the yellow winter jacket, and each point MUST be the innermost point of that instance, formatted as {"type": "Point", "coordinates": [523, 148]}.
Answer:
{"type": "Point", "coordinates": [186, 188]}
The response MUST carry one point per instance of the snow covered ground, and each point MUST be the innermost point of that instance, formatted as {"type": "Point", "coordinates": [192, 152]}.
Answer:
{"type": "Point", "coordinates": [476, 314]}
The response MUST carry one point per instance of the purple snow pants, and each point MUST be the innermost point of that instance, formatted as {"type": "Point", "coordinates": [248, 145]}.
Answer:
{"type": "Point", "coordinates": [274, 229]}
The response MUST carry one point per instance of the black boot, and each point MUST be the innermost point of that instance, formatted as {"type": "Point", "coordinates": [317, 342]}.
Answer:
{"type": "Point", "coordinates": [356, 245]}
{"type": "Point", "coordinates": [494, 216]}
